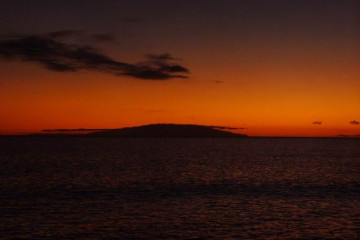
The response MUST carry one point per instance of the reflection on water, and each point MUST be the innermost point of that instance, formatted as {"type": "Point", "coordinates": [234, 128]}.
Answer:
{"type": "Point", "coordinates": [108, 188]}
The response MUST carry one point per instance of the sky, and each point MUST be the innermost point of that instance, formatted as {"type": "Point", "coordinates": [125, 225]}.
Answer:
{"type": "Point", "coordinates": [269, 68]}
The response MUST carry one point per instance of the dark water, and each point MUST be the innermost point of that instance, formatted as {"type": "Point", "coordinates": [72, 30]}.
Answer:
{"type": "Point", "coordinates": [108, 188]}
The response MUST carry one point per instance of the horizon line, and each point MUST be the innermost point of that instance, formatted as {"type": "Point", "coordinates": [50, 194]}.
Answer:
{"type": "Point", "coordinates": [84, 131]}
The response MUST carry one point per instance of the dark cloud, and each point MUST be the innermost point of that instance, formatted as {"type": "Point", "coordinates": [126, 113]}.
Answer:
{"type": "Point", "coordinates": [317, 122]}
{"type": "Point", "coordinates": [62, 57]}
{"type": "Point", "coordinates": [354, 122]}
{"type": "Point", "coordinates": [161, 57]}
{"type": "Point", "coordinates": [103, 37]}
{"type": "Point", "coordinates": [218, 81]}
{"type": "Point", "coordinates": [64, 33]}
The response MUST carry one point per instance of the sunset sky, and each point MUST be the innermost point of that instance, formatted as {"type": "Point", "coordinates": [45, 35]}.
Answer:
{"type": "Point", "coordinates": [272, 68]}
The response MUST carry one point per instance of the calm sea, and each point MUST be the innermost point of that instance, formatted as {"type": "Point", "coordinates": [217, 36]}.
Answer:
{"type": "Point", "coordinates": [112, 188]}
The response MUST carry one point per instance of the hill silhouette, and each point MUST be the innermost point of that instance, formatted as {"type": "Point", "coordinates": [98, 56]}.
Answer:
{"type": "Point", "coordinates": [168, 130]}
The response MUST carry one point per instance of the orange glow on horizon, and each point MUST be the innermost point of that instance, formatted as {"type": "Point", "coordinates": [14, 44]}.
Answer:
{"type": "Point", "coordinates": [277, 105]}
{"type": "Point", "coordinates": [271, 69]}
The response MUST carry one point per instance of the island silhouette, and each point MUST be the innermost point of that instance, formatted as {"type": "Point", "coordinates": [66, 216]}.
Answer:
{"type": "Point", "coordinates": [152, 131]}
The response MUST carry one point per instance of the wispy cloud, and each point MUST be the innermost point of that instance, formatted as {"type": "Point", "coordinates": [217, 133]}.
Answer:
{"type": "Point", "coordinates": [348, 136]}
{"type": "Point", "coordinates": [354, 122]}
{"type": "Point", "coordinates": [55, 55]}
{"type": "Point", "coordinates": [226, 128]}
{"type": "Point", "coordinates": [317, 122]}
{"type": "Point", "coordinates": [66, 34]}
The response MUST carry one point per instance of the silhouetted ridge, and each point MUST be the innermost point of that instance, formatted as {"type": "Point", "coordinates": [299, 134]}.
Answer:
{"type": "Point", "coordinates": [168, 130]}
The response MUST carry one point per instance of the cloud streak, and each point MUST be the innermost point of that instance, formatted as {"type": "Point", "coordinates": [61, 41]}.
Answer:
{"type": "Point", "coordinates": [354, 122]}
{"type": "Point", "coordinates": [76, 130]}
{"type": "Point", "coordinates": [54, 55]}
{"type": "Point", "coordinates": [226, 128]}
{"type": "Point", "coordinates": [317, 122]}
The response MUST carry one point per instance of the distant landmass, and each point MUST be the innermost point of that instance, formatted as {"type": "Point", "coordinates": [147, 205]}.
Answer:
{"type": "Point", "coordinates": [151, 130]}
{"type": "Point", "coordinates": [160, 130]}
{"type": "Point", "coordinates": [168, 130]}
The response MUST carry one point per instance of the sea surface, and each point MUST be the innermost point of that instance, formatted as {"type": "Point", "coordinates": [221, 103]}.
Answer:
{"type": "Point", "coordinates": [113, 188]}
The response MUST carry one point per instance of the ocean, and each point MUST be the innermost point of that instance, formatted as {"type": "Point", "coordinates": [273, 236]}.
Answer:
{"type": "Point", "coordinates": [179, 188]}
